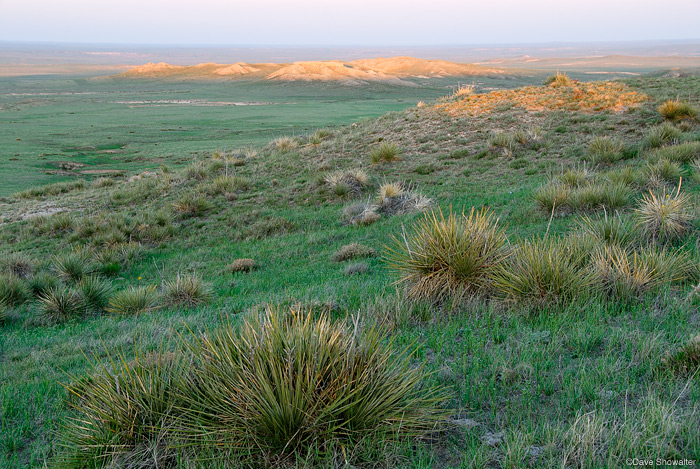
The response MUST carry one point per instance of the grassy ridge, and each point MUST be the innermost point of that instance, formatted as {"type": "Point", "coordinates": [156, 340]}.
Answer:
{"type": "Point", "coordinates": [573, 384]}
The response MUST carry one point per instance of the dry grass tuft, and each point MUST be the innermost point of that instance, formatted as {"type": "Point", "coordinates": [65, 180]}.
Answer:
{"type": "Point", "coordinates": [385, 152]}
{"type": "Point", "coordinates": [242, 265]}
{"type": "Point", "coordinates": [665, 217]}
{"type": "Point", "coordinates": [605, 150]}
{"type": "Point", "coordinates": [674, 110]}
{"type": "Point", "coordinates": [343, 183]}
{"type": "Point", "coordinates": [353, 251]}
{"type": "Point", "coordinates": [186, 290]}
{"type": "Point", "coordinates": [285, 144]}
{"type": "Point", "coordinates": [686, 359]}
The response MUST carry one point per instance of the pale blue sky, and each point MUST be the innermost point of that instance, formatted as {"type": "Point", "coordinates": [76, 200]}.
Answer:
{"type": "Point", "coordinates": [343, 22]}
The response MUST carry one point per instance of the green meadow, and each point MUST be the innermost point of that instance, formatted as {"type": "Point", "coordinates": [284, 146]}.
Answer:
{"type": "Point", "coordinates": [174, 315]}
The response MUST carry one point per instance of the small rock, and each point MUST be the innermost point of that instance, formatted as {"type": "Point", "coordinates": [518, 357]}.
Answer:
{"type": "Point", "coordinates": [536, 451]}
{"type": "Point", "coordinates": [605, 394]}
{"type": "Point", "coordinates": [466, 424]}
{"type": "Point", "coordinates": [493, 439]}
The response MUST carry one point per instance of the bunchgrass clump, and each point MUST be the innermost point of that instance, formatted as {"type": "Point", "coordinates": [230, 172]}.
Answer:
{"type": "Point", "coordinates": [449, 257]}
{"type": "Point", "coordinates": [186, 290]}
{"type": "Point", "coordinates": [686, 359]}
{"type": "Point", "coordinates": [343, 183]}
{"type": "Point", "coordinates": [608, 229]}
{"type": "Point", "coordinates": [124, 413]}
{"type": "Point", "coordinates": [41, 282]}
{"type": "Point", "coordinates": [285, 144]}
{"type": "Point", "coordinates": [665, 216]}
{"type": "Point", "coordinates": [18, 264]}
{"type": "Point", "coordinates": [661, 135]}
{"type": "Point", "coordinates": [625, 274]}
{"type": "Point", "coordinates": [356, 268]}
{"type": "Point", "coordinates": [287, 382]}
{"type": "Point", "coordinates": [543, 271]}
{"type": "Point", "coordinates": [558, 80]}
{"type": "Point", "coordinates": [192, 204]}
{"type": "Point", "coordinates": [575, 177]}
{"type": "Point", "coordinates": [353, 251]}
{"type": "Point", "coordinates": [13, 290]}
{"type": "Point", "coordinates": [674, 110]}
{"type": "Point", "coordinates": [59, 304]}
{"type": "Point", "coordinates": [134, 300]}
{"type": "Point", "coordinates": [605, 150]}
{"type": "Point", "coordinates": [385, 152]}
{"type": "Point", "coordinates": [395, 198]}
{"type": "Point", "coordinates": [679, 153]}
{"type": "Point", "coordinates": [600, 195]}
{"type": "Point", "coordinates": [552, 196]}
{"type": "Point", "coordinates": [94, 293]}
{"type": "Point", "coordinates": [361, 214]}
{"type": "Point", "coordinates": [242, 265]}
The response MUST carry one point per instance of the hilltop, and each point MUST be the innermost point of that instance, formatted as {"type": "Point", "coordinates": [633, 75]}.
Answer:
{"type": "Point", "coordinates": [391, 70]}
{"type": "Point", "coordinates": [558, 318]}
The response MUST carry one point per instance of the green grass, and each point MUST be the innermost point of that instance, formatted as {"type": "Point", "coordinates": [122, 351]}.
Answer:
{"type": "Point", "coordinates": [579, 383]}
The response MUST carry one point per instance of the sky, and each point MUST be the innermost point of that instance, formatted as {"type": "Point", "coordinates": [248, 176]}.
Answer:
{"type": "Point", "coordinates": [343, 22]}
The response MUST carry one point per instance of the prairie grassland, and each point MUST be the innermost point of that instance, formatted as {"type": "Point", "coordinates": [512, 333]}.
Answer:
{"type": "Point", "coordinates": [157, 275]}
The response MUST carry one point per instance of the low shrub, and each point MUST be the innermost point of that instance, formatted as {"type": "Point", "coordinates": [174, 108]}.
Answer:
{"type": "Point", "coordinates": [558, 80]}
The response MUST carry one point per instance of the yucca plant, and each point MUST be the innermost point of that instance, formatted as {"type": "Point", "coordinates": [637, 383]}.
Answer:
{"type": "Point", "coordinates": [449, 257]}
{"type": "Point", "coordinates": [663, 170]}
{"type": "Point", "coordinates": [124, 413]}
{"type": "Point", "coordinates": [94, 293]}
{"type": "Point", "coordinates": [674, 110]}
{"type": "Point", "coordinates": [665, 217]}
{"type": "Point", "coordinates": [552, 196]}
{"type": "Point", "coordinates": [73, 266]}
{"type": "Point", "coordinates": [13, 290]}
{"type": "Point", "coordinates": [133, 300]}
{"type": "Point", "coordinates": [625, 274]}
{"type": "Point", "coordinates": [288, 381]}
{"type": "Point", "coordinates": [543, 271]}
{"type": "Point", "coordinates": [192, 204]}
{"type": "Point", "coordinates": [385, 152]}
{"type": "Point", "coordinates": [186, 290]}
{"type": "Point", "coordinates": [672, 266]}
{"type": "Point", "coordinates": [59, 304]}
{"type": "Point", "coordinates": [661, 135]}
{"type": "Point", "coordinates": [679, 153]}
{"type": "Point", "coordinates": [605, 150]}
{"type": "Point", "coordinates": [608, 229]}
{"type": "Point", "coordinates": [41, 282]}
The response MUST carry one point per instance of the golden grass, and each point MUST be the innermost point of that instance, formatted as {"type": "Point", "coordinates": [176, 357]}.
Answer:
{"type": "Point", "coordinates": [584, 97]}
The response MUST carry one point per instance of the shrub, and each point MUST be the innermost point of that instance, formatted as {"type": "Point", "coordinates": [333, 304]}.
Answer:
{"type": "Point", "coordinates": [686, 359]}
{"type": "Point", "coordinates": [449, 257]}
{"type": "Point", "coordinates": [17, 264]}
{"type": "Point", "coordinates": [679, 153]}
{"type": "Point", "coordinates": [607, 229]}
{"type": "Point", "coordinates": [665, 217]}
{"type": "Point", "coordinates": [133, 300]}
{"type": "Point", "coordinates": [192, 204]}
{"type": "Point", "coordinates": [59, 304]}
{"type": "Point", "coordinates": [94, 293]}
{"type": "Point", "coordinates": [674, 110]}
{"type": "Point", "coordinates": [13, 290]}
{"type": "Point", "coordinates": [543, 271]}
{"type": "Point", "coordinates": [123, 416]}
{"type": "Point", "coordinates": [558, 80]}
{"type": "Point", "coordinates": [625, 274]}
{"type": "Point", "coordinates": [285, 144]}
{"type": "Point", "coordinates": [605, 150]}
{"type": "Point", "coordinates": [463, 90]}
{"type": "Point", "coordinates": [186, 290]}
{"type": "Point", "coordinates": [242, 265]}
{"type": "Point", "coordinates": [289, 382]}
{"type": "Point", "coordinates": [386, 152]}
{"type": "Point", "coordinates": [73, 266]}
{"type": "Point", "coordinates": [661, 135]}
{"type": "Point", "coordinates": [353, 251]}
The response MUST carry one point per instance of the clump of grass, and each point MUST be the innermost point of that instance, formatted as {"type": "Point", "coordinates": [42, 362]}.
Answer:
{"type": "Point", "coordinates": [319, 136]}
{"type": "Point", "coordinates": [42, 282]}
{"type": "Point", "coordinates": [192, 204]}
{"type": "Point", "coordinates": [285, 144]}
{"type": "Point", "coordinates": [625, 274]}
{"type": "Point", "coordinates": [627, 175]}
{"type": "Point", "coordinates": [133, 300]}
{"type": "Point", "coordinates": [449, 257]}
{"type": "Point", "coordinates": [52, 189]}
{"type": "Point", "coordinates": [186, 290]}
{"type": "Point", "coordinates": [227, 184]}
{"type": "Point", "coordinates": [552, 196]}
{"type": "Point", "coordinates": [395, 198]}
{"type": "Point", "coordinates": [361, 214]}
{"type": "Point", "coordinates": [353, 251]}
{"type": "Point", "coordinates": [505, 141]}
{"type": "Point", "coordinates": [558, 80]}
{"type": "Point", "coordinates": [663, 171]}
{"type": "Point", "coordinates": [197, 171]}
{"type": "Point", "coordinates": [661, 135]}
{"type": "Point", "coordinates": [124, 414]}
{"type": "Point", "coordinates": [357, 268]}
{"type": "Point", "coordinates": [679, 153]}
{"type": "Point", "coordinates": [608, 229]}
{"type": "Point", "coordinates": [543, 271]}
{"type": "Point", "coordinates": [343, 183]}
{"type": "Point", "coordinates": [686, 359]}
{"type": "Point", "coordinates": [463, 90]}
{"type": "Point", "coordinates": [605, 150]}
{"type": "Point", "coordinates": [385, 152]}
{"type": "Point", "coordinates": [575, 177]}
{"type": "Point", "coordinates": [600, 195]}
{"type": "Point", "coordinates": [94, 293]}
{"type": "Point", "coordinates": [101, 183]}
{"type": "Point", "coordinates": [73, 266]}
{"type": "Point", "coordinates": [665, 217]}
{"type": "Point", "coordinates": [288, 382]}
{"type": "Point", "coordinates": [695, 168]}
{"type": "Point", "coordinates": [17, 264]}
{"type": "Point", "coordinates": [59, 304]}
{"type": "Point", "coordinates": [242, 265]}
{"type": "Point", "coordinates": [13, 290]}
{"type": "Point", "coordinates": [674, 110]}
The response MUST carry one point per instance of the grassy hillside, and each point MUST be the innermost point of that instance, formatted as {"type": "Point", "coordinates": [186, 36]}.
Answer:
{"type": "Point", "coordinates": [537, 373]}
